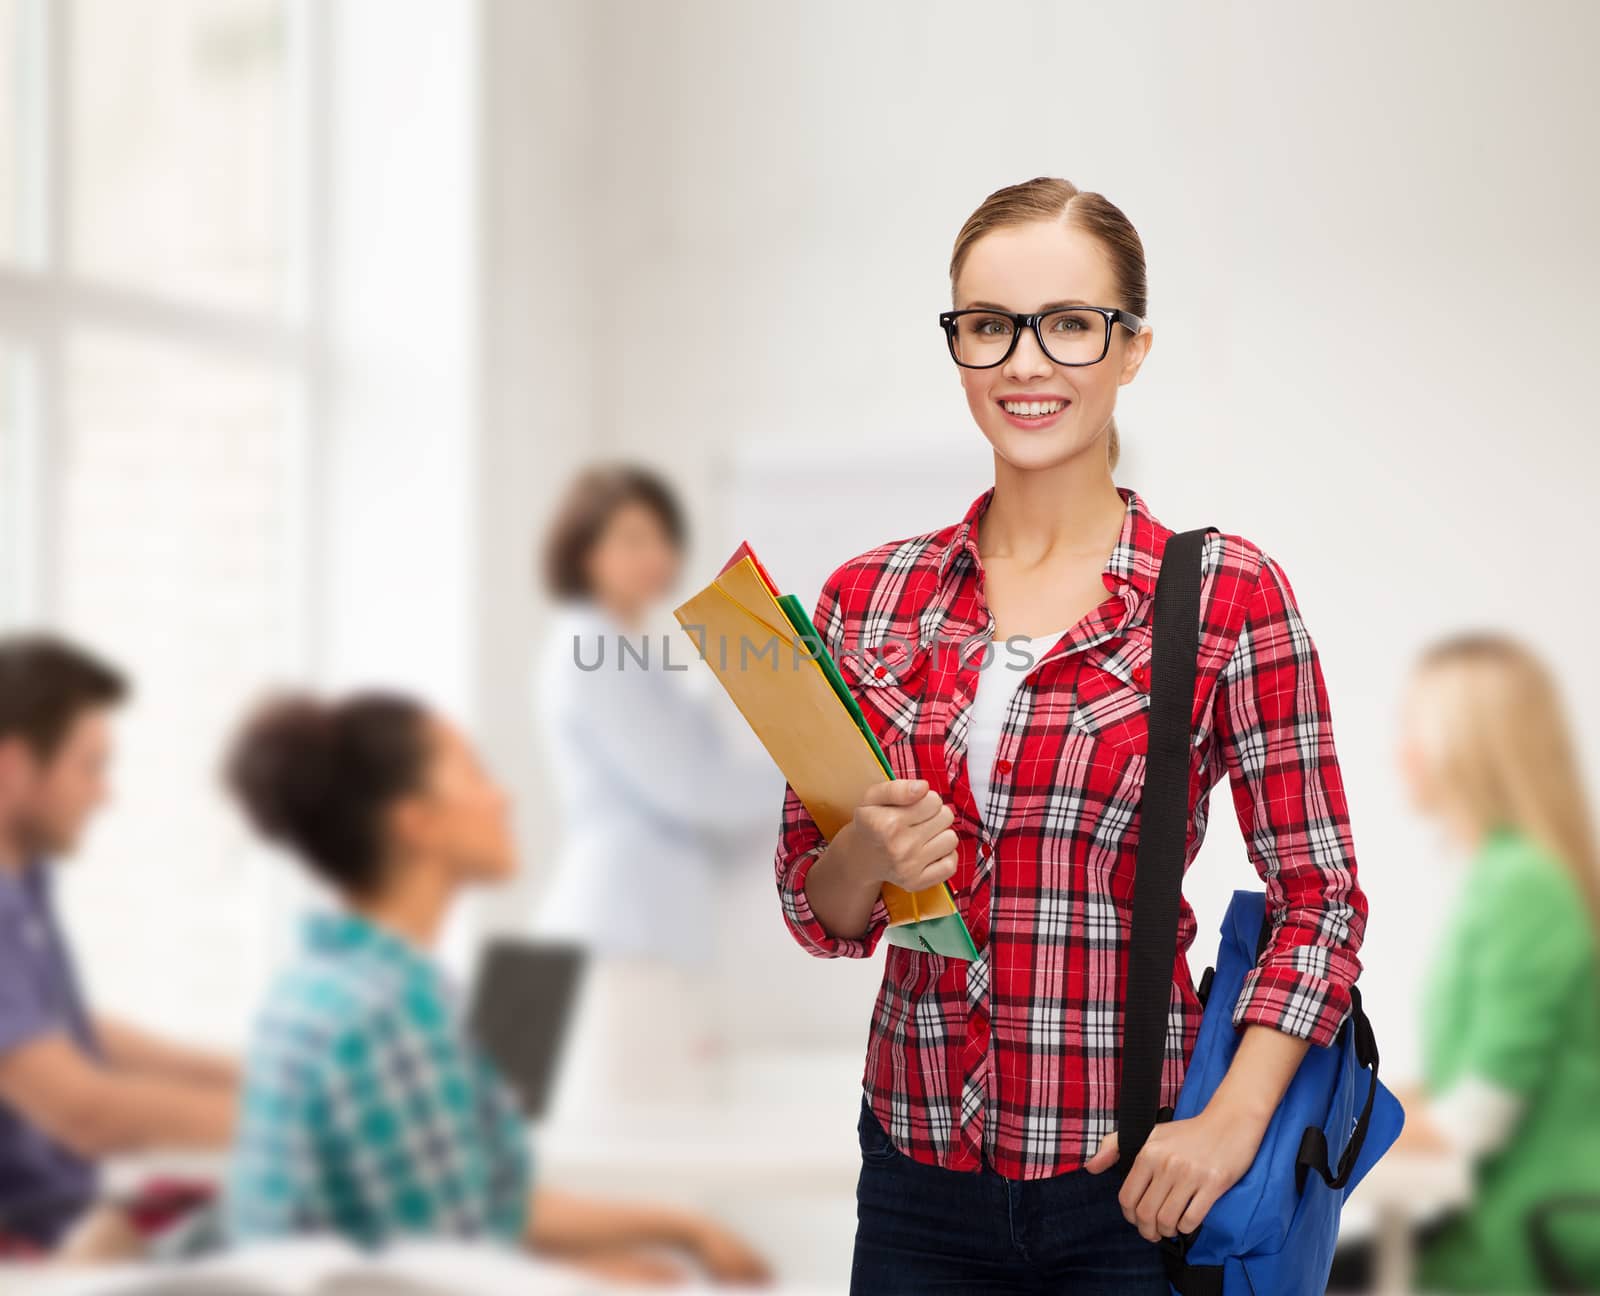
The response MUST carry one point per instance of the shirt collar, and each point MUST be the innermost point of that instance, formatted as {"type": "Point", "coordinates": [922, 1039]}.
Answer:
{"type": "Point", "coordinates": [584, 616]}
{"type": "Point", "coordinates": [346, 932]}
{"type": "Point", "coordinates": [1134, 561]}
{"type": "Point", "coordinates": [30, 884]}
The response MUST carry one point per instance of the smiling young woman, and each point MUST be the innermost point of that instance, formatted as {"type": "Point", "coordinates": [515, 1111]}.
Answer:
{"type": "Point", "coordinates": [989, 1153]}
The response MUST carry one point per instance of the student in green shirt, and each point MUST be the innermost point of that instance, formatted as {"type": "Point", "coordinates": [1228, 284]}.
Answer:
{"type": "Point", "coordinates": [1511, 1047]}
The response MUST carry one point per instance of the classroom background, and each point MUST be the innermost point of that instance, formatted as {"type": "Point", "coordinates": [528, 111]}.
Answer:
{"type": "Point", "coordinates": [308, 312]}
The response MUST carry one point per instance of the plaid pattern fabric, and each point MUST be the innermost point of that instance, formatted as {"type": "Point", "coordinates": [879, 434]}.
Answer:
{"type": "Point", "coordinates": [159, 1203]}
{"type": "Point", "coordinates": [1013, 1058]}
{"type": "Point", "coordinates": [365, 1110]}
{"type": "Point", "coordinates": [14, 1246]}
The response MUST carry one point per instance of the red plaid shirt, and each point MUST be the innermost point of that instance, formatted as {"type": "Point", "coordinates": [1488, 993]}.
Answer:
{"type": "Point", "coordinates": [1013, 1058]}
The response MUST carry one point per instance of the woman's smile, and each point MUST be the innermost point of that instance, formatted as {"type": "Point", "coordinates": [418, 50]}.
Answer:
{"type": "Point", "coordinates": [1033, 410]}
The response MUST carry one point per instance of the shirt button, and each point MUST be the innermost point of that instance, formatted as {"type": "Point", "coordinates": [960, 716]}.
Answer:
{"type": "Point", "coordinates": [1141, 676]}
{"type": "Point", "coordinates": [879, 672]}
{"type": "Point", "coordinates": [1002, 767]}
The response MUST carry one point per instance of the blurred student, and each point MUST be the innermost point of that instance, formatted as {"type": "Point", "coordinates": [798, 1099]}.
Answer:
{"type": "Point", "coordinates": [650, 793]}
{"type": "Point", "coordinates": [1511, 1054]}
{"type": "Point", "coordinates": [74, 1087]}
{"type": "Point", "coordinates": [366, 1110]}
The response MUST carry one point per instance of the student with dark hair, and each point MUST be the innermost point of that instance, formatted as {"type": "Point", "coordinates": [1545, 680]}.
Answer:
{"type": "Point", "coordinates": [73, 1087]}
{"type": "Point", "coordinates": [610, 510]}
{"type": "Point", "coordinates": [650, 791]}
{"type": "Point", "coordinates": [366, 1110]}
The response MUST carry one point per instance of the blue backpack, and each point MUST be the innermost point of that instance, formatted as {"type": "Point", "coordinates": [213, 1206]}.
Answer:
{"type": "Point", "coordinates": [1275, 1229]}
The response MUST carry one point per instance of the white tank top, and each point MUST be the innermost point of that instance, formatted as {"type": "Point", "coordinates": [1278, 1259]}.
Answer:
{"type": "Point", "coordinates": [998, 681]}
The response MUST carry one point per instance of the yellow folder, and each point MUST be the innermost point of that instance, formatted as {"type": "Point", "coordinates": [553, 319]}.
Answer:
{"type": "Point", "coordinates": [773, 664]}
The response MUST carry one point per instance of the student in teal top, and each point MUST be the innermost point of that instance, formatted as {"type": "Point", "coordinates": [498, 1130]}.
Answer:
{"type": "Point", "coordinates": [366, 1111]}
{"type": "Point", "coordinates": [1511, 1055]}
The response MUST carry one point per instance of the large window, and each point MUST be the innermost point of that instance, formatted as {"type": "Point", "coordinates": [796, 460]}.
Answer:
{"type": "Point", "coordinates": [14, 96]}
{"type": "Point", "coordinates": [156, 409]}
{"type": "Point", "coordinates": [176, 159]}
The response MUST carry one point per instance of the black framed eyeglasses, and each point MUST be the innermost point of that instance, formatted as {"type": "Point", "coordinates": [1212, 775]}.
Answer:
{"type": "Point", "coordinates": [1081, 335]}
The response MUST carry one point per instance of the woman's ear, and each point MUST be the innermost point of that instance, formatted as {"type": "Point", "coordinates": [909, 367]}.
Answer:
{"type": "Point", "coordinates": [407, 826]}
{"type": "Point", "coordinates": [1138, 348]}
{"type": "Point", "coordinates": [13, 767]}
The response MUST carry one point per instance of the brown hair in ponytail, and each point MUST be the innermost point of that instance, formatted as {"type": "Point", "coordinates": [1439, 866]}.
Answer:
{"type": "Point", "coordinates": [319, 777]}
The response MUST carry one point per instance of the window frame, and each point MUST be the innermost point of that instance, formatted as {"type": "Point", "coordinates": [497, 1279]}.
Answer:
{"type": "Point", "coordinates": [43, 304]}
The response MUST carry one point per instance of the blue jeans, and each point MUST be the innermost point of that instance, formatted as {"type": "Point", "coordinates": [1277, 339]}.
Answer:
{"type": "Point", "coordinates": [922, 1228]}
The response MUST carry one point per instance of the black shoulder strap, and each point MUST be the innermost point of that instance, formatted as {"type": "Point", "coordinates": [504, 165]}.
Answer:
{"type": "Point", "coordinates": [1163, 836]}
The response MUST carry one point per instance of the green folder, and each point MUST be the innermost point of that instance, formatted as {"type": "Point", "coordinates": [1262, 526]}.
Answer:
{"type": "Point", "coordinates": [948, 934]}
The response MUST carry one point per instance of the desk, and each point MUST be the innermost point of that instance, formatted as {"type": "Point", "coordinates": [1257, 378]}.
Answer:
{"type": "Point", "coordinates": [806, 1149]}
{"type": "Point", "coordinates": [1403, 1190]}
{"type": "Point", "coordinates": [760, 1164]}
{"type": "Point", "coordinates": [645, 1150]}
{"type": "Point", "coordinates": [301, 1269]}
{"type": "Point", "coordinates": [758, 1167]}
{"type": "Point", "coordinates": [782, 1173]}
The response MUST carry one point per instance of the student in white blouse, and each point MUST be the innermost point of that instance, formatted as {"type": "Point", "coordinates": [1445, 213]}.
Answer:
{"type": "Point", "coordinates": [652, 794]}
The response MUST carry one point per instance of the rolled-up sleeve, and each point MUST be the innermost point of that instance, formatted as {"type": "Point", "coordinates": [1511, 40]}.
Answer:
{"type": "Point", "coordinates": [1275, 731]}
{"type": "Point", "coordinates": [801, 843]}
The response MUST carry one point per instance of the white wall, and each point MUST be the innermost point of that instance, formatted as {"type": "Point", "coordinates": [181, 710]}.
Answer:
{"type": "Point", "coordinates": [401, 278]}
{"type": "Point", "coordinates": [534, 367]}
{"type": "Point", "coordinates": [1371, 271]}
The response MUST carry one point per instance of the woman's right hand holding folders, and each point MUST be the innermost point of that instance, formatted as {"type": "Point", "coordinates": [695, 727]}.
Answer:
{"type": "Point", "coordinates": [901, 833]}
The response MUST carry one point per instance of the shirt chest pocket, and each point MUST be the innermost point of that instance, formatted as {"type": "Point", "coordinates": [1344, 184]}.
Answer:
{"type": "Point", "coordinates": [890, 685]}
{"type": "Point", "coordinates": [1112, 702]}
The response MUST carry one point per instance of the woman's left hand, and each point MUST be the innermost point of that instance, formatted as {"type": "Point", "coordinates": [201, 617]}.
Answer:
{"type": "Point", "coordinates": [1184, 1166]}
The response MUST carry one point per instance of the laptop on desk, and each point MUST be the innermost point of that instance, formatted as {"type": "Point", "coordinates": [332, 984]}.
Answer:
{"type": "Point", "coordinates": [521, 1011]}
